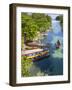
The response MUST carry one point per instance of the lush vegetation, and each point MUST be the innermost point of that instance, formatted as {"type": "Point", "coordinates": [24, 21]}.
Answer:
{"type": "Point", "coordinates": [60, 18]}
{"type": "Point", "coordinates": [25, 66]}
{"type": "Point", "coordinates": [34, 23]}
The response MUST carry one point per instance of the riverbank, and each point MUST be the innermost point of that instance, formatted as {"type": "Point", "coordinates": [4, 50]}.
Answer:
{"type": "Point", "coordinates": [36, 41]}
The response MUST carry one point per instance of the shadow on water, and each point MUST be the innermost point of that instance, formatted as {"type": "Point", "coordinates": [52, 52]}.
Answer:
{"type": "Point", "coordinates": [50, 66]}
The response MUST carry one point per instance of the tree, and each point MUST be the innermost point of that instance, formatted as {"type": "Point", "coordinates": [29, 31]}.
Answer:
{"type": "Point", "coordinates": [43, 21]}
{"type": "Point", "coordinates": [60, 18]}
{"type": "Point", "coordinates": [29, 26]}
{"type": "Point", "coordinates": [34, 23]}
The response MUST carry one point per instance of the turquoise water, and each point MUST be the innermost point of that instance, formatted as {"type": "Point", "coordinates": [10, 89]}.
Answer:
{"type": "Point", "coordinates": [53, 65]}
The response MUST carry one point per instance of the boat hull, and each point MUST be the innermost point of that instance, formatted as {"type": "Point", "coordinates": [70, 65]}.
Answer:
{"type": "Point", "coordinates": [40, 58]}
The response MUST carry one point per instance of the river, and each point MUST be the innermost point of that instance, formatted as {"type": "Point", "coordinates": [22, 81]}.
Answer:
{"type": "Point", "coordinates": [53, 65]}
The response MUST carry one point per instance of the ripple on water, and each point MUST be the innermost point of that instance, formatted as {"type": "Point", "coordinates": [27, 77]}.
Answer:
{"type": "Point", "coordinates": [57, 54]}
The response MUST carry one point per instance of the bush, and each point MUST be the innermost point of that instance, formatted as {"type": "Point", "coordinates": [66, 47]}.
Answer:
{"type": "Point", "coordinates": [25, 66]}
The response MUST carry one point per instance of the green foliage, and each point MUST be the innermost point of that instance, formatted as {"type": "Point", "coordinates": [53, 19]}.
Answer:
{"type": "Point", "coordinates": [33, 23]}
{"type": "Point", "coordinates": [25, 66]}
{"type": "Point", "coordinates": [22, 42]}
{"type": "Point", "coordinates": [28, 26]}
{"type": "Point", "coordinates": [42, 21]}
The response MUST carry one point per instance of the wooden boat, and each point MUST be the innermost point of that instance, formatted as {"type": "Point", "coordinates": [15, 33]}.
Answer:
{"type": "Point", "coordinates": [40, 58]}
{"type": "Point", "coordinates": [39, 55]}
{"type": "Point", "coordinates": [58, 44]}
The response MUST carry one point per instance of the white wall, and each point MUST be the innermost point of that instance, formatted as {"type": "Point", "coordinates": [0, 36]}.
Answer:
{"type": "Point", "coordinates": [4, 45]}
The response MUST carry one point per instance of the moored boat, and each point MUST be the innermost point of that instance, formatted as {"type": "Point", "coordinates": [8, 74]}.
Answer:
{"type": "Point", "coordinates": [35, 56]}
